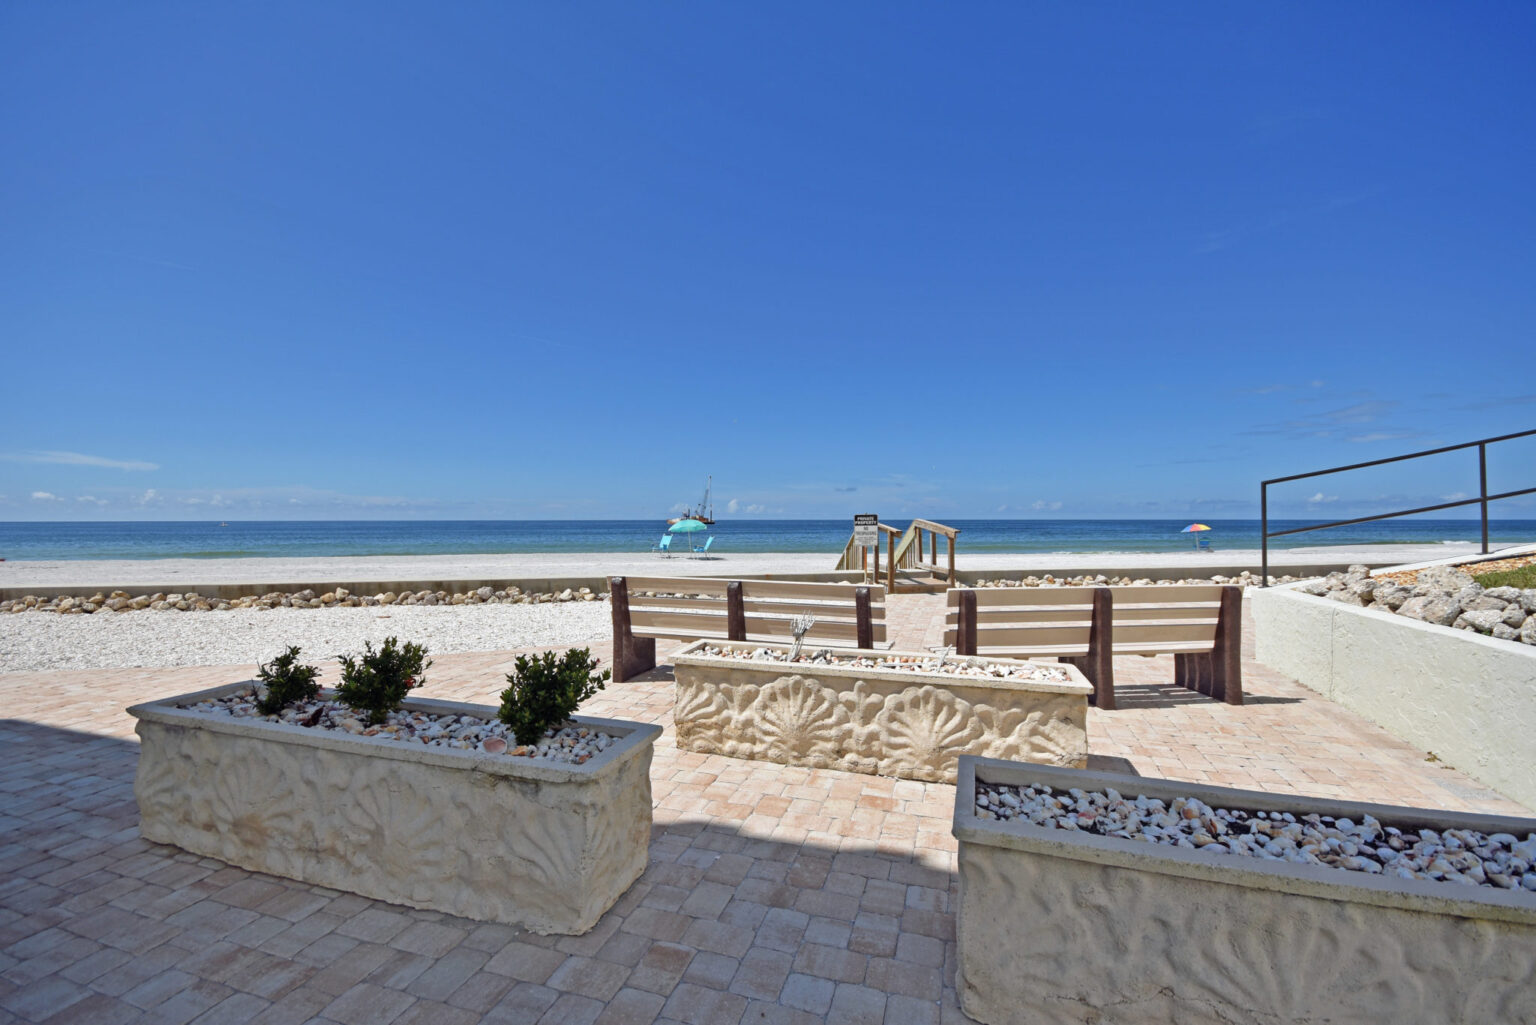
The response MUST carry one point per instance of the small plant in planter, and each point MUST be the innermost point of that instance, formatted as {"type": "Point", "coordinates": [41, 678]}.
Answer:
{"type": "Point", "coordinates": [544, 692]}
{"type": "Point", "coordinates": [378, 682]}
{"type": "Point", "coordinates": [286, 682]}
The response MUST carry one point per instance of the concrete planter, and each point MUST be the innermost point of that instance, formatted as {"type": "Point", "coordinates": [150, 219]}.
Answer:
{"type": "Point", "coordinates": [891, 722]}
{"type": "Point", "coordinates": [1468, 698]}
{"type": "Point", "coordinates": [542, 846]}
{"type": "Point", "coordinates": [1057, 926]}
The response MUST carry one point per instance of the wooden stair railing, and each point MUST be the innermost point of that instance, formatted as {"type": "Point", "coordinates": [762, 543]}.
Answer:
{"type": "Point", "coordinates": [857, 559]}
{"type": "Point", "coordinates": [904, 551]}
{"type": "Point", "coordinates": [909, 553]}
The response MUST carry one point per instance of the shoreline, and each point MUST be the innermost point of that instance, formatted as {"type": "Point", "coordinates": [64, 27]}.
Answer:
{"type": "Point", "coordinates": [186, 573]}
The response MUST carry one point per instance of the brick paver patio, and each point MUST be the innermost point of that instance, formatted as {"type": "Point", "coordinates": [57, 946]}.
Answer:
{"type": "Point", "coordinates": [774, 894]}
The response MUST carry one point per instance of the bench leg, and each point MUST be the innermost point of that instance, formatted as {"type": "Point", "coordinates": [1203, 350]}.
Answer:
{"type": "Point", "coordinates": [1100, 672]}
{"type": "Point", "coordinates": [1099, 664]}
{"type": "Point", "coordinates": [1193, 672]}
{"type": "Point", "coordinates": [1226, 659]}
{"type": "Point", "coordinates": [632, 656]}
{"type": "Point", "coordinates": [1216, 674]}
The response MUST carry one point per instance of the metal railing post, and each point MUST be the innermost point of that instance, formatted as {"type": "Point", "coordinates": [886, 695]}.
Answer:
{"type": "Point", "coordinates": [1482, 475]}
{"type": "Point", "coordinates": [1263, 535]}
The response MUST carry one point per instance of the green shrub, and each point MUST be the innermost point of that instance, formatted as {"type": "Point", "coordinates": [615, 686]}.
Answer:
{"type": "Point", "coordinates": [544, 693]}
{"type": "Point", "coordinates": [286, 682]}
{"type": "Point", "coordinates": [377, 683]}
{"type": "Point", "coordinates": [1521, 577]}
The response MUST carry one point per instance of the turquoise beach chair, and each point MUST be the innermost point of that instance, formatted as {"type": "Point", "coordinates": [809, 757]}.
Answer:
{"type": "Point", "coordinates": [702, 551]}
{"type": "Point", "coordinates": [664, 547]}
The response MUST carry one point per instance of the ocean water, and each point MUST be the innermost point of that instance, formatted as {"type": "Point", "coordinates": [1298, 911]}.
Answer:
{"type": "Point", "coordinates": [238, 539]}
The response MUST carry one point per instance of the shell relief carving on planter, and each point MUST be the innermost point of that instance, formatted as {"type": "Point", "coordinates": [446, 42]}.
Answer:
{"type": "Point", "coordinates": [916, 732]}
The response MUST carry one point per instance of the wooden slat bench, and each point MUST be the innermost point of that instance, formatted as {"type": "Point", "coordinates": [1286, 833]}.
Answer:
{"type": "Point", "coordinates": [1069, 623]}
{"type": "Point", "coordinates": [1200, 625]}
{"type": "Point", "coordinates": [694, 608]}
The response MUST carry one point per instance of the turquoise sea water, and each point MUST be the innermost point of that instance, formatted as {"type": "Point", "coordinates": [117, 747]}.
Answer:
{"type": "Point", "coordinates": [171, 540]}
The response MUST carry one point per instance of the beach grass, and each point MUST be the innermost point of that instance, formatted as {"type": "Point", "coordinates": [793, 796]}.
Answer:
{"type": "Point", "coordinates": [1522, 577]}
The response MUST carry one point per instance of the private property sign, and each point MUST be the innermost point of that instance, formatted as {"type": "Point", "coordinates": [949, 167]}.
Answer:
{"type": "Point", "coordinates": [866, 530]}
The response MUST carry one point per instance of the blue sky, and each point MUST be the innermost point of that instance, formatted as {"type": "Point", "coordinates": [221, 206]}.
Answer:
{"type": "Point", "coordinates": [564, 260]}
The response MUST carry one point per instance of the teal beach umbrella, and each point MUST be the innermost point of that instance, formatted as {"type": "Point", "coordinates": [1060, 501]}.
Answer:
{"type": "Point", "coordinates": [687, 527]}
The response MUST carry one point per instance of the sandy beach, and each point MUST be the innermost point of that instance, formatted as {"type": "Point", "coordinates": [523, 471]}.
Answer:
{"type": "Point", "coordinates": [242, 636]}
{"type": "Point", "coordinates": [181, 573]}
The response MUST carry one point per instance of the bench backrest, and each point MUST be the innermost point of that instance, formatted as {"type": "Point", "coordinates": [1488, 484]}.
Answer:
{"type": "Point", "coordinates": [753, 610]}
{"type": "Point", "coordinates": [1153, 617]}
{"type": "Point", "coordinates": [1021, 617]}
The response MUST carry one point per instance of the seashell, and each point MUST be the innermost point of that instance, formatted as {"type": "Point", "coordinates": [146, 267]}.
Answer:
{"type": "Point", "coordinates": [493, 745]}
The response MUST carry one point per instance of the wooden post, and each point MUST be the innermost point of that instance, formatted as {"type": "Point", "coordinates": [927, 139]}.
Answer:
{"type": "Point", "coordinates": [933, 549]}
{"type": "Point", "coordinates": [1099, 665]}
{"type": "Point", "coordinates": [890, 563]}
{"type": "Point", "coordinates": [863, 619]}
{"type": "Point", "coordinates": [1227, 655]}
{"type": "Point", "coordinates": [735, 612]}
{"type": "Point", "coordinates": [965, 632]}
{"type": "Point", "coordinates": [951, 559]}
{"type": "Point", "coordinates": [631, 655]}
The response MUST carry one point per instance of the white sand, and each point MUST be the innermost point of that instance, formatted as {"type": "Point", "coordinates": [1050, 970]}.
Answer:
{"type": "Point", "coordinates": [36, 641]}
{"type": "Point", "coordinates": [184, 573]}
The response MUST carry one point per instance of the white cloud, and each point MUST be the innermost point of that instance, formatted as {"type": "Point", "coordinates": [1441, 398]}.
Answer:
{"type": "Point", "coordinates": [45, 496]}
{"type": "Point", "coordinates": [757, 508]}
{"type": "Point", "coordinates": [1320, 497]}
{"type": "Point", "coordinates": [1371, 436]}
{"type": "Point", "coordinates": [91, 500]}
{"type": "Point", "coordinates": [733, 507]}
{"type": "Point", "coordinates": [1454, 496]}
{"type": "Point", "coordinates": [1041, 504]}
{"type": "Point", "coordinates": [76, 459]}
{"type": "Point", "coordinates": [150, 495]}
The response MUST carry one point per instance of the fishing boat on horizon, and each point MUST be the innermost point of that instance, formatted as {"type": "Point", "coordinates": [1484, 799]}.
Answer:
{"type": "Point", "coordinates": [705, 513]}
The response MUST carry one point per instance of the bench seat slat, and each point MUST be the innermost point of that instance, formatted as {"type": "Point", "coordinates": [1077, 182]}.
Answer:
{"type": "Point", "coordinates": [790, 589]}
{"type": "Point", "coordinates": [1034, 650]}
{"type": "Point", "coordinates": [1166, 613]}
{"type": "Point", "coordinates": [717, 607]}
{"type": "Point", "coordinates": [1024, 596]}
{"type": "Point", "coordinates": [811, 642]}
{"type": "Point", "coordinates": [1027, 636]}
{"type": "Point", "coordinates": [645, 623]}
{"type": "Point", "coordinates": [1163, 648]}
{"type": "Point", "coordinates": [1057, 614]}
{"type": "Point", "coordinates": [1165, 634]}
{"type": "Point", "coordinates": [1166, 594]}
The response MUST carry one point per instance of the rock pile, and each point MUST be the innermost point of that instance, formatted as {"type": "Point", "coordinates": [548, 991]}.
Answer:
{"type": "Point", "coordinates": [1244, 579]}
{"type": "Point", "coordinates": [464, 732]}
{"type": "Point", "coordinates": [1443, 595]}
{"type": "Point", "coordinates": [946, 665]}
{"type": "Point", "coordinates": [1461, 856]}
{"type": "Point", "coordinates": [191, 601]}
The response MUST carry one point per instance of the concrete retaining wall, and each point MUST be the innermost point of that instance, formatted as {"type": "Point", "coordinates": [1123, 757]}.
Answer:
{"type": "Point", "coordinates": [1469, 699]}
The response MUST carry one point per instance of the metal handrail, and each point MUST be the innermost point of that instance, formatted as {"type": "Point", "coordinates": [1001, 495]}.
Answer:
{"type": "Point", "coordinates": [1482, 499]}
